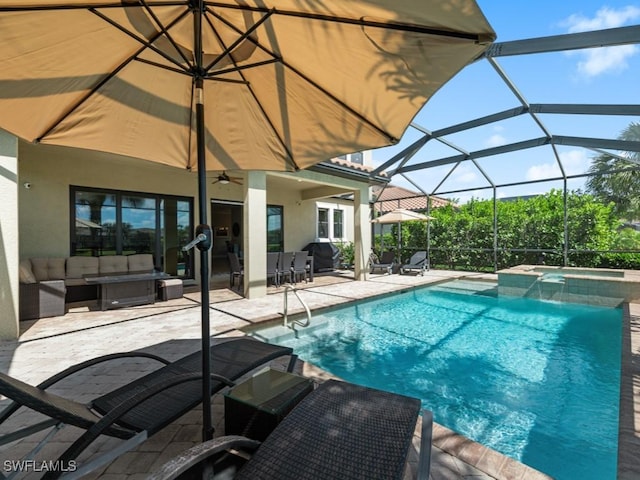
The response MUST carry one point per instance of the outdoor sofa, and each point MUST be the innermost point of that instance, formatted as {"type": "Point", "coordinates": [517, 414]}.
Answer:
{"type": "Point", "coordinates": [135, 411]}
{"type": "Point", "coordinates": [46, 283]}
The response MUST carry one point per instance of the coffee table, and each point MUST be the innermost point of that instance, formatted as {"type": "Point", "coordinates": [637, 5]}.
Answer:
{"type": "Point", "coordinates": [125, 290]}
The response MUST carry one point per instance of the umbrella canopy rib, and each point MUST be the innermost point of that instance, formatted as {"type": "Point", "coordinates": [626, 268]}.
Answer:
{"type": "Point", "coordinates": [165, 31]}
{"type": "Point", "coordinates": [113, 73]}
{"type": "Point", "coordinates": [305, 15]}
{"type": "Point", "coordinates": [213, 75]}
{"type": "Point", "coordinates": [87, 6]}
{"type": "Point", "coordinates": [280, 60]}
{"type": "Point", "coordinates": [239, 69]}
{"type": "Point", "coordinates": [283, 144]}
{"type": "Point", "coordinates": [243, 36]}
{"type": "Point", "coordinates": [149, 43]}
{"type": "Point", "coordinates": [357, 21]}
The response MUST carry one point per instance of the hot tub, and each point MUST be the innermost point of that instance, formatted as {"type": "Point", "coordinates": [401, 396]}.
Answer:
{"type": "Point", "coordinates": [592, 286]}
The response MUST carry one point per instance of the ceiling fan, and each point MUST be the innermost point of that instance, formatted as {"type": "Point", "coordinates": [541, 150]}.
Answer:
{"type": "Point", "coordinates": [224, 179]}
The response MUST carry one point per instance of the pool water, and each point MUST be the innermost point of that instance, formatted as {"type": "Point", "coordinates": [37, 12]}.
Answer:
{"type": "Point", "coordinates": [537, 381]}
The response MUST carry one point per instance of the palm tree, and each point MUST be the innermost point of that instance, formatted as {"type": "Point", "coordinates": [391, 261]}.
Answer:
{"type": "Point", "coordinates": [622, 186]}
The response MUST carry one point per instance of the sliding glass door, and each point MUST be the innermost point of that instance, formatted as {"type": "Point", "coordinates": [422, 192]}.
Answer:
{"type": "Point", "coordinates": [110, 222]}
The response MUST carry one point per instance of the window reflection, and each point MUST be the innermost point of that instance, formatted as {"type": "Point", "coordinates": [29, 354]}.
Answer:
{"type": "Point", "coordinates": [275, 229]}
{"type": "Point", "coordinates": [323, 223]}
{"type": "Point", "coordinates": [138, 225]}
{"type": "Point", "coordinates": [123, 223]}
{"type": "Point", "coordinates": [95, 224]}
{"type": "Point", "coordinates": [338, 222]}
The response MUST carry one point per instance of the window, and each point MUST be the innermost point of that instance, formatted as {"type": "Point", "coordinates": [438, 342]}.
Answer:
{"type": "Point", "coordinates": [323, 223]}
{"type": "Point", "coordinates": [275, 229]}
{"type": "Point", "coordinates": [139, 229]}
{"type": "Point", "coordinates": [356, 157]}
{"type": "Point", "coordinates": [338, 219]}
{"type": "Point", "coordinates": [109, 222]}
{"type": "Point", "coordinates": [330, 222]}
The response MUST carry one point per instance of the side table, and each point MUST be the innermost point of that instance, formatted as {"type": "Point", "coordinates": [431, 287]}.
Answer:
{"type": "Point", "coordinates": [255, 407]}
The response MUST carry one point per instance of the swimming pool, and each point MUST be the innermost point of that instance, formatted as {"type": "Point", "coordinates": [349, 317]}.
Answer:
{"type": "Point", "coordinates": [538, 381]}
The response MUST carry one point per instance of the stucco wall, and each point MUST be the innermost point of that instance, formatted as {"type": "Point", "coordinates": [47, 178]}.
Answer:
{"type": "Point", "coordinates": [44, 208]}
{"type": "Point", "coordinates": [300, 217]}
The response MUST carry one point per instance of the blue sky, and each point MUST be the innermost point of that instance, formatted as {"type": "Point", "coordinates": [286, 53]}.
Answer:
{"type": "Point", "coordinates": [592, 76]}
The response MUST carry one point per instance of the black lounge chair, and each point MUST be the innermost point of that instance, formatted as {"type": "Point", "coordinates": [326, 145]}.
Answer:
{"type": "Point", "coordinates": [418, 262]}
{"type": "Point", "coordinates": [134, 411]}
{"type": "Point", "coordinates": [339, 431]}
{"type": "Point", "coordinates": [386, 262]}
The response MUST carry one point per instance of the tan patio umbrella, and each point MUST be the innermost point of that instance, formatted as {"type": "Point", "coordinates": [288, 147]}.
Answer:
{"type": "Point", "coordinates": [398, 216]}
{"type": "Point", "coordinates": [227, 84]}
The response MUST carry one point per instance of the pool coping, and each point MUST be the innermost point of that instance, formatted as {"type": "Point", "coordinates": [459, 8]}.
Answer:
{"type": "Point", "coordinates": [629, 415]}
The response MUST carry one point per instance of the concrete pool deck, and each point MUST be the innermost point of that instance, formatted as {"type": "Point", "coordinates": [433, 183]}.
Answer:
{"type": "Point", "coordinates": [172, 329]}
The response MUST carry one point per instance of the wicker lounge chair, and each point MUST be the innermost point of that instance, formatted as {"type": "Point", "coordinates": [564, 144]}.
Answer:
{"type": "Point", "coordinates": [134, 411]}
{"type": "Point", "coordinates": [418, 262]}
{"type": "Point", "coordinates": [340, 430]}
{"type": "Point", "coordinates": [386, 262]}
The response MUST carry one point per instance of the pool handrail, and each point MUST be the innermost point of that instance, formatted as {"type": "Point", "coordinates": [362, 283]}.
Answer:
{"type": "Point", "coordinates": [287, 288]}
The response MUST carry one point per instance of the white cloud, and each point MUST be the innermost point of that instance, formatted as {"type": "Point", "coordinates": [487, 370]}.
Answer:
{"type": "Point", "coordinates": [597, 61]}
{"type": "Point", "coordinates": [605, 18]}
{"type": "Point", "coordinates": [607, 59]}
{"type": "Point", "coordinates": [573, 161]}
{"type": "Point", "coordinates": [464, 174]}
{"type": "Point", "coordinates": [495, 140]}
{"type": "Point", "coordinates": [542, 171]}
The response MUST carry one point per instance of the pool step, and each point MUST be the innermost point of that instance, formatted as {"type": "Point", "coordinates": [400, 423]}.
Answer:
{"type": "Point", "coordinates": [279, 333]}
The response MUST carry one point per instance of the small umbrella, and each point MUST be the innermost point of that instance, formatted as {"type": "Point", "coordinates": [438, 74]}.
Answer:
{"type": "Point", "coordinates": [228, 84]}
{"type": "Point", "coordinates": [400, 215]}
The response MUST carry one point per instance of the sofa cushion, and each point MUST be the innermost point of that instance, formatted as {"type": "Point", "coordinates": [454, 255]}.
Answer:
{"type": "Point", "coordinates": [113, 264]}
{"type": "Point", "coordinates": [75, 282]}
{"type": "Point", "coordinates": [80, 267]}
{"type": "Point", "coordinates": [26, 274]}
{"type": "Point", "coordinates": [48, 268]}
{"type": "Point", "coordinates": [140, 262]}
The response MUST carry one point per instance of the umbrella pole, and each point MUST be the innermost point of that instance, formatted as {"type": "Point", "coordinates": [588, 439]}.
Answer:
{"type": "Point", "coordinates": [207, 427]}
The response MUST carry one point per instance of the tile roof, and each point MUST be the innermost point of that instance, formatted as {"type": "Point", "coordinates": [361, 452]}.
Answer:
{"type": "Point", "coordinates": [393, 197]}
{"type": "Point", "coordinates": [347, 163]}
